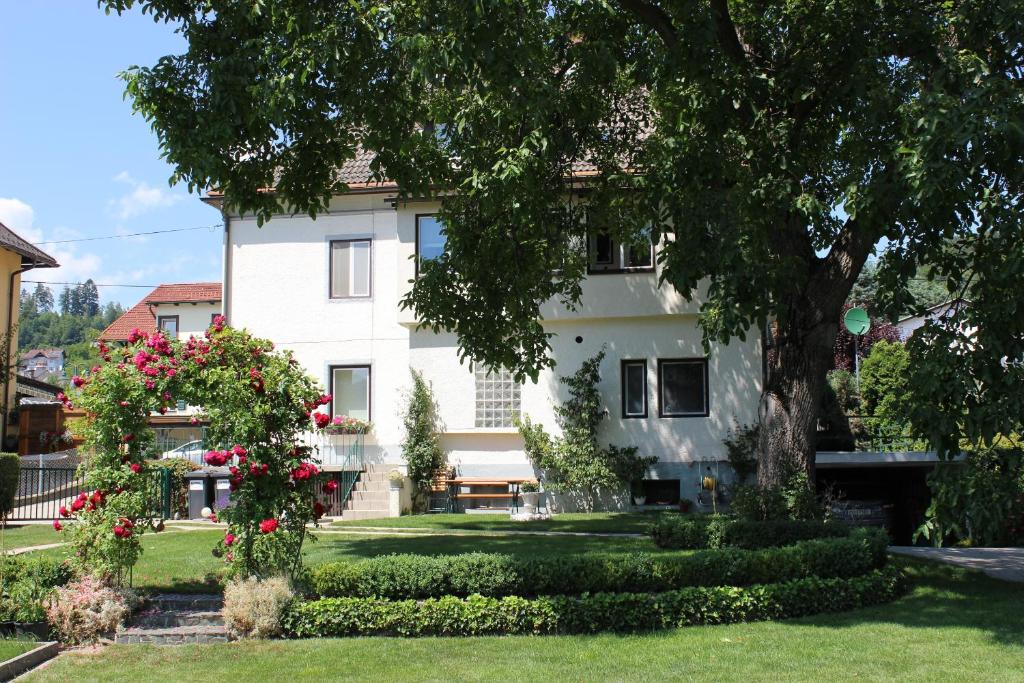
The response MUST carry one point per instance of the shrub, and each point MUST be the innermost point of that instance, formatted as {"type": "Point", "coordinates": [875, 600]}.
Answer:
{"type": "Point", "coordinates": [741, 449]}
{"type": "Point", "coordinates": [43, 571]}
{"type": "Point", "coordinates": [415, 576]}
{"type": "Point", "coordinates": [421, 447]}
{"type": "Point", "coordinates": [10, 470]}
{"type": "Point", "coordinates": [758, 503]}
{"type": "Point", "coordinates": [86, 609]}
{"type": "Point", "coordinates": [253, 608]}
{"type": "Point", "coordinates": [692, 533]}
{"type": "Point", "coordinates": [624, 612]}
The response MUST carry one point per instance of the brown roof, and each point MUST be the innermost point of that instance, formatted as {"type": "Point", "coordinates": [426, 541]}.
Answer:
{"type": "Point", "coordinates": [142, 316]}
{"type": "Point", "coordinates": [48, 353]}
{"type": "Point", "coordinates": [30, 254]}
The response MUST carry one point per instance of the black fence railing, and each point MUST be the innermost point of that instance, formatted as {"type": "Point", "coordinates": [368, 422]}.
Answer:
{"type": "Point", "coordinates": [43, 490]}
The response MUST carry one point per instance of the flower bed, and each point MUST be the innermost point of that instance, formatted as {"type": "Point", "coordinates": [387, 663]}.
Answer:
{"type": "Point", "coordinates": [692, 533]}
{"type": "Point", "coordinates": [419, 576]}
{"type": "Point", "coordinates": [623, 612]}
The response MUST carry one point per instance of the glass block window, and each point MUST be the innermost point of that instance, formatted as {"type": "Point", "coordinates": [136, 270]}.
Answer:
{"type": "Point", "coordinates": [497, 398]}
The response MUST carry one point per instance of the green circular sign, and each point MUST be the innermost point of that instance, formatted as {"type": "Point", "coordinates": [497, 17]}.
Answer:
{"type": "Point", "coordinates": [857, 321]}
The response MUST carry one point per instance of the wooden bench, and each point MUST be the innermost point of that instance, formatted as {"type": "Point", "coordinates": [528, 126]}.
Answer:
{"type": "Point", "coordinates": [457, 483]}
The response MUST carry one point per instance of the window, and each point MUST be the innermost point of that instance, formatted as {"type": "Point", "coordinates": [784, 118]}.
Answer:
{"type": "Point", "coordinates": [683, 387]}
{"type": "Point", "coordinates": [169, 324]}
{"type": "Point", "coordinates": [497, 398]}
{"type": "Point", "coordinates": [606, 255]}
{"type": "Point", "coordinates": [634, 388]}
{"type": "Point", "coordinates": [350, 269]}
{"type": "Point", "coordinates": [350, 387]}
{"type": "Point", "coordinates": [661, 491]}
{"type": "Point", "coordinates": [430, 239]}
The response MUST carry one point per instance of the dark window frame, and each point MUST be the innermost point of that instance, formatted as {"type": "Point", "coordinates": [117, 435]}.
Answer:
{"type": "Point", "coordinates": [626, 362]}
{"type": "Point", "coordinates": [369, 385]}
{"type": "Point", "coordinates": [330, 269]}
{"type": "Point", "coordinates": [621, 252]}
{"type": "Point", "coordinates": [661, 387]}
{"type": "Point", "coordinates": [177, 323]}
{"type": "Point", "coordinates": [416, 241]}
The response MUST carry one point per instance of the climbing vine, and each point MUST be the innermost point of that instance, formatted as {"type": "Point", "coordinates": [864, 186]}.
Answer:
{"type": "Point", "coordinates": [258, 403]}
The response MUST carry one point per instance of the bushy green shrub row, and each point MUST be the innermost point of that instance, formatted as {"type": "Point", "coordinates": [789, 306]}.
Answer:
{"type": "Point", "coordinates": [416, 576]}
{"type": "Point", "coordinates": [691, 533]}
{"type": "Point", "coordinates": [626, 612]}
{"type": "Point", "coordinates": [26, 582]}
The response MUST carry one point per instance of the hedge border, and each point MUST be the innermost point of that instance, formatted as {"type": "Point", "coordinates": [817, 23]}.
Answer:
{"type": "Point", "coordinates": [399, 577]}
{"type": "Point", "coordinates": [681, 532]}
{"type": "Point", "coordinates": [604, 612]}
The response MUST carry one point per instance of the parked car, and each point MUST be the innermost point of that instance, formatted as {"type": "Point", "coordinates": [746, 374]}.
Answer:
{"type": "Point", "coordinates": [192, 451]}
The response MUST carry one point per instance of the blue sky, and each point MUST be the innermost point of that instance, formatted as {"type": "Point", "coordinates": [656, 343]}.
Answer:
{"type": "Point", "coordinates": [75, 162]}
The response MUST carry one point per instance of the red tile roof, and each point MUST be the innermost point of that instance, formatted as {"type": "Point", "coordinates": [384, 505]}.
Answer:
{"type": "Point", "coordinates": [142, 315]}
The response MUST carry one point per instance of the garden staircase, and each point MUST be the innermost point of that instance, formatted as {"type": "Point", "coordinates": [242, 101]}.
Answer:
{"type": "Point", "coordinates": [369, 496]}
{"type": "Point", "coordinates": [174, 619]}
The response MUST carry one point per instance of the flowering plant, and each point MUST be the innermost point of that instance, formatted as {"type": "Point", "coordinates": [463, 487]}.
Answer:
{"type": "Point", "coordinates": [342, 424]}
{"type": "Point", "coordinates": [258, 403]}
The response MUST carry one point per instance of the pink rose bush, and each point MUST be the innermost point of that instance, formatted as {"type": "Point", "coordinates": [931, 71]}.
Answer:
{"type": "Point", "coordinates": [257, 404]}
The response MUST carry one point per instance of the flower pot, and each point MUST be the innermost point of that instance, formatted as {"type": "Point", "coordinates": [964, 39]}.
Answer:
{"type": "Point", "coordinates": [640, 500]}
{"type": "Point", "coordinates": [530, 501]}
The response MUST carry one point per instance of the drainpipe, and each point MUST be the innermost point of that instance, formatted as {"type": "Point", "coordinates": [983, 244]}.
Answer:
{"type": "Point", "coordinates": [10, 344]}
{"type": "Point", "coordinates": [226, 269]}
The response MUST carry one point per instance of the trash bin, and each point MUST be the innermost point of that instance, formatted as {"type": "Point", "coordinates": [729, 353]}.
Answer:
{"type": "Point", "coordinates": [198, 493]}
{"type": "Point", "coordinates": [220, 488]}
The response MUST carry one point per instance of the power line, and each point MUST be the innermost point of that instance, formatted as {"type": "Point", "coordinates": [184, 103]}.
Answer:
{"type": "Point", "coordinates": [41, 282]}
{"type": "Point", "coordinates": [133, 234]}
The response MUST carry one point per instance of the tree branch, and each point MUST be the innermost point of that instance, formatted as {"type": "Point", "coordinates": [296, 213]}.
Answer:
{"type": "Point", "coordinates": [654, 17]}
{"type": "Point", "coordinates": [728, 37]}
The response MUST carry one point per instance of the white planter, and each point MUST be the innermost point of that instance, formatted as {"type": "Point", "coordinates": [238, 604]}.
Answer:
{"type": "Point", "coordinates": [640, 501]}
{"type": "Point", "coordinates": [530, 502]}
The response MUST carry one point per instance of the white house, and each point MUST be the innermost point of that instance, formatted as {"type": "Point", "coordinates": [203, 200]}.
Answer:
{"type": "Point", "coordinates": [910, 324]}
{"type": "Point", "coordinates": [328, 289]}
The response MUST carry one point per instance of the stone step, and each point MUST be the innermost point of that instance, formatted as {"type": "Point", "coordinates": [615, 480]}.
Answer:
{"type": "Point", "coordinates": [374, 467]}
{"type": "Point", "coordinates": [349, 515]}
{"type": "Point", "coordinates": [369, 497]}
{"type": "Point", "coordinates": [372, 478]}
{"type": "Point", "coordinates": [175, 618]}
{"type": "Point", "coordinates": [181, 602]}
{"type": "Point", "coordinates": [180, 635]}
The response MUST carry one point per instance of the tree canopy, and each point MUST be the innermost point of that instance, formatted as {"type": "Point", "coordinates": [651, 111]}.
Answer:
{"type": "Point", "coordinates": [766, 147]}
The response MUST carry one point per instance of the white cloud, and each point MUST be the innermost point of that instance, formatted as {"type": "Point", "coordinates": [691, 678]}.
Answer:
{"type": "Point", "coordinates": [141, 198]}
{"type": "Point", "coordinates": [75, 266]}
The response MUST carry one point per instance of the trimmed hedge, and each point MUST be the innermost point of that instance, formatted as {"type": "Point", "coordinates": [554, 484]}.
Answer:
{"type": "Point", "coordinates": [623, 612]}
{"type": "Point", "coordinates": [400, 577]}
{"type": "Point", "coordinates": [692, 533]}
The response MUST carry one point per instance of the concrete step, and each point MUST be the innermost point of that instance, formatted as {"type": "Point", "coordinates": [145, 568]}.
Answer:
{"type": "Point", "coordinates": [173, 619]}
{"type": "Point", "coordinates": [373, 478]}
{"type": "Point", "coordinates": [379, 468]}
{"type": "Point", "coordinates": [349, 515]}
{"type": "Point", "coordinates": [179, 635]}
{"type": "Point", "coordinates": [361, 497]}
{"type": "Point", "coordinates": [181, 602]}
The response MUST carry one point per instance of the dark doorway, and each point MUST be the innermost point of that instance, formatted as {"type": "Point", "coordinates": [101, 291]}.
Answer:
{"type": "Point", "coordinates": [901, 494]}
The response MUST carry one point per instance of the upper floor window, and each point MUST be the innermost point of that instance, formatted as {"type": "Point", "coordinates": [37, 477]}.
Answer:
{"type": "Point", "coordinates": [497, 398]}
{"type": "Point", "coordinates": [350, 389]}
{"type": "Point", "coordinates": [169, 325]}
{"type": "Point", "coordinates": [634, 388]}
{"type": "Point", "coordinates": [607, 255]}
{"type": "Point", "coordinates": [350, 269]}
{"type": "Point", "coordinates": [683, 387]}
{"type": "Point", "coordinates": [430, 239]}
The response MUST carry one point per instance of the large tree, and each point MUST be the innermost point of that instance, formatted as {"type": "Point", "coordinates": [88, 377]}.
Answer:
{"type": "Point", "coordinates": [767, 146]}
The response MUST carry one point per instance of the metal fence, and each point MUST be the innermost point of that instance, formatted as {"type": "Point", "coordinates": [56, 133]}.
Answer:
{"type": "Point", "coordinates": [43, 490]}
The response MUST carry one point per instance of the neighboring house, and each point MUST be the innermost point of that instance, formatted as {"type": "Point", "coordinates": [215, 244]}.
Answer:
{"type": "Point", "coordinates": [329, 290]}
{"type": "Point", "coordinates": [16, 257]}
{"type": "Point", "coordinates": [181, 310]}
{"type": "Point", "coordinates": [907, 326]}
{"type": "Point", "coordinates": [42, 363]}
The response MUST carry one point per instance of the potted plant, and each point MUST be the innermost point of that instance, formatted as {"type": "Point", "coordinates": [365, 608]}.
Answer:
{"type": "Point", "coordinates": [530, 493]}
{"type": "Point", "coordinates": [395, 479]}
{"type": "Point", "coordinates": [685, 504]}
{"type": "Point", "coordinates": [639, 495]}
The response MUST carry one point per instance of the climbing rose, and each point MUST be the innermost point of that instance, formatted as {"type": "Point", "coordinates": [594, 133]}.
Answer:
{"type": "Point", "coordinates": [238, 450]}
{"type": "Point", "coordinates": [229, 539]}
{"type": "Point", "coordinates": [136, 467]}
{"type": "Point", "coordinates": [322, 420]}
{"type": "Point", "coordinates": [78, 381]}
{"type": "Point", "coordinates": [216, 458]}
{"type": "Point", "coordinates": [120, 531]}
{"type": "Point", "coordinates": [128, 438]}
{"type": "Point", "coordinates": [331, 486]}
{"type": "Point", "coordinates": [318, 509]}
{"type": "Point", "coordinates": [268, 526]}
{"type": "Point", "coordinates": [57, 526]}
{"type": "Point", "coordinates": [304, 471]}
{"type": "Point", "coordinates": [64, 511]}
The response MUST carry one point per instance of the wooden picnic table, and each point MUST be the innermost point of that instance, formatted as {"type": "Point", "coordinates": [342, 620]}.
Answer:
{"type": "Point", "coordinates": [456, 483]}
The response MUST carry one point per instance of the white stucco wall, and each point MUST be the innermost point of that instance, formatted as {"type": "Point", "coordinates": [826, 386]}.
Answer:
{"type": "Point", "coordinates": [278, 288]}
{"type": "Point", "coordinates": [193, 318]}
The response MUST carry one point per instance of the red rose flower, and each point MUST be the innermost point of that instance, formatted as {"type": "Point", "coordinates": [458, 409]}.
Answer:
{"type": "Point", "coordinates": [57, 526]}
{"type": "Point", "coordinates": [318, 510]}
{"type": "Point", "coordinates": [321, 419]}
{"type": "Point", "coordinates": [119, 531]}
{"type": "Point", "coordinates": [331, 486]}
{"type": "Point", "coordinates": [268, 526]}
{"type": "Point", "coordinates": [229, 539]}
{"type": "Point", "coordinates": [136, 467]}
{"type": "Point", "coordinates": [64, 511]}
{"type": "Point", "coordinates": [239, 450]}
{"type": "Point", "coordinates": [78, 381]}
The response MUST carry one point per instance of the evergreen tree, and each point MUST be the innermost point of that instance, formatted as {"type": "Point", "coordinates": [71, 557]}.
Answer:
{"type": "Point", "coordinates": [65, 301]}
{"type": "Point", "coordinates": [43, 297]}
{"type": "Point", "coordinates": [88, 298]}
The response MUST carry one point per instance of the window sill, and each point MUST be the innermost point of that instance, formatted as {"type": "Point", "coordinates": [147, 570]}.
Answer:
{"type": "Point", "coordinates": [480, 430]}
{"type": "Point", "coordinates": [620, 271]}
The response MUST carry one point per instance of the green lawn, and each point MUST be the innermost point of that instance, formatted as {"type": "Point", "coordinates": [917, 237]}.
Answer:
{"type": "Point", "coordinates": [12, 647]}
{"type": "Point", "coordinates": [596, 522]}
{"type": "Point", "coordinates": [955, 625]}
{"type": "Point", "coordinates": [25, 535]}
{"type": "Point", "coordinates": [179, 560]}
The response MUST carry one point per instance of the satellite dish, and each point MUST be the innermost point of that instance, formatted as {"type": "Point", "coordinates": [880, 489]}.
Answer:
{"type": "Point", "coordinates": [857, 321]}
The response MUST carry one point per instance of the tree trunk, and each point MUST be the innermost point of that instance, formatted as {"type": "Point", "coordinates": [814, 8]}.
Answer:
{"type": "Point", "coordinates": [797, 373]}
